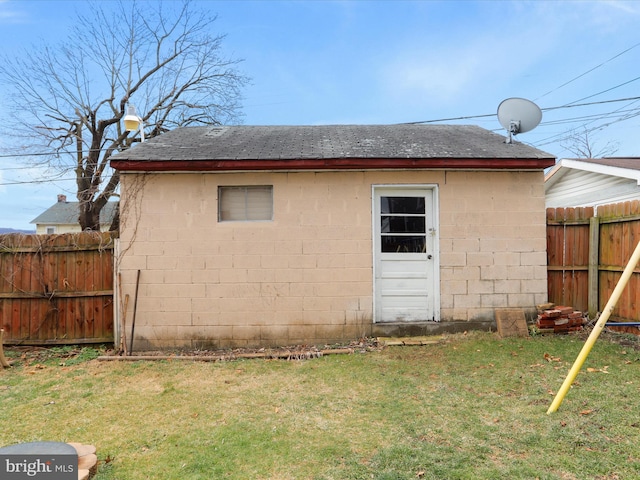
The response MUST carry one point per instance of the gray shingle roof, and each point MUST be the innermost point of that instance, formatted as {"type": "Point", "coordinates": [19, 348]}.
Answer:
{"type": "Point", "coordinates": [329, 142]}
{"type": "Point", "coordinates": [66, 213]}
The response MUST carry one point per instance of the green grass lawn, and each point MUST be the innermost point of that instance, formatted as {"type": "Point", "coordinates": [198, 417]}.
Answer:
{"type": "Point", "coordinates": [472, 407]}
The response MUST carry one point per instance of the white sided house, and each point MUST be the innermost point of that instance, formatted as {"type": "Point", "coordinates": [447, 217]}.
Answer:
{"type": "Point", "coordinates": [282, 235]}
{"type": "Point", "coordinates": [589, 182]}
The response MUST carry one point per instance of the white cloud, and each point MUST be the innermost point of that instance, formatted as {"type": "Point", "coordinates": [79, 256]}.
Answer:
{"type": "Point", "coordinates": [625, 6]}
{"type": "Point", "coordinates": [511, 49]}
{"type": "Point", "coordinates": [9, 14]}
{"type": "Point", "coordinates": [438, 77]}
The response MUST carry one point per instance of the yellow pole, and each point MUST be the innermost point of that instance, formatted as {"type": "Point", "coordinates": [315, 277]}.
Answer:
{"type": "Point", "coordinates": [582, 356]}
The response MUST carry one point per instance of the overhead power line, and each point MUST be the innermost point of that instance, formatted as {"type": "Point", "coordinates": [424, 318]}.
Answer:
{"type": "Point", "coordinates": [605, 91]}
{"type": "Point", "coordinates": [32, 182]}
{"type": "Point", "coordinates": [569, 105]}
{"type": "Point", "coordinates": [48, 154]}
{"type": "Point", "coordinates": [588, 71]}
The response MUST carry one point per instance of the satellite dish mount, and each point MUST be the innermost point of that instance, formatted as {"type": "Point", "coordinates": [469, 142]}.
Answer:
{"type": "Point", "coordinates": [518, 115]}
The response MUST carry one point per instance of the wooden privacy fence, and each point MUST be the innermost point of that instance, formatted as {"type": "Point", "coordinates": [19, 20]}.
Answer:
{"type": "Point", "coordinates": [56, 289]}
{"type": "Point", "coordinates": [587, 250]}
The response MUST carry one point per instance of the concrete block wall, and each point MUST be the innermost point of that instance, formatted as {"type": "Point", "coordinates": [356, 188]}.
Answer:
{"type": "Point", "coordinates": [307, 276]}
{"type": "Point", "coordinates": [492, 243]}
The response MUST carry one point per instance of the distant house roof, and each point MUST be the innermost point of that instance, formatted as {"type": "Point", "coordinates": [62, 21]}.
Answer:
{"type": "Point", "coordinates": [627, 167]}
{"type": "Point", "coordinates": [236, 148]}
{"type": "Point", "coordinates": [66, 213]}
{"type": "Point", "coordinates": [576, 182]}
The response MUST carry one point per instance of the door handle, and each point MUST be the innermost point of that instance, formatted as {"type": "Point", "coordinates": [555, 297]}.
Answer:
{"type": "Point", "coordinates": [429, 256]}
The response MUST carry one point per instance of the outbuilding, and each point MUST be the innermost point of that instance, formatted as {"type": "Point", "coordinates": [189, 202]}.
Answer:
{"type": "Point", "coordinates": [242, 236]}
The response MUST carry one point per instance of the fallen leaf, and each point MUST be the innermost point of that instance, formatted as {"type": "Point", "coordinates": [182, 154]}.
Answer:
{"type": "Point", "coordinates": [601, 370]}
{"type": "Point", "coordinates": [586, 412]}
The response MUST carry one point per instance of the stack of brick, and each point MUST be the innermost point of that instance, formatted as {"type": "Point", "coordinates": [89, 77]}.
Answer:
{"type": "Point", "coordinates": [87, 460]}
{"type": "Point", "coordinates": [560, 320]}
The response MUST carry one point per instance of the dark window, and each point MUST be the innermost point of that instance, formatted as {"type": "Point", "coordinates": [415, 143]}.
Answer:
{"type": "Point", "coordinates": [403, 224]}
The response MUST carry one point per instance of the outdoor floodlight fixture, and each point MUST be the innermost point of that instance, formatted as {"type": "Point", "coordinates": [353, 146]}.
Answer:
{"type": "Point", "coordinates": [133, 122]}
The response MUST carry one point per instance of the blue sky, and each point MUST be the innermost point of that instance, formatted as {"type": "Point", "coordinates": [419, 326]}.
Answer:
{"type": "Point", "coordinates": [384, 62]}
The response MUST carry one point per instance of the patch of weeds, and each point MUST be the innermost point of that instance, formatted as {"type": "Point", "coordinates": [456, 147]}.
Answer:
{"type": "Point", "coordinates": [66, 355]}
{"type": "Point", "coordinates": [82, 355]}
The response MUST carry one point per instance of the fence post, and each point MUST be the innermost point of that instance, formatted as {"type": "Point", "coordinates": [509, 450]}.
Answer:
{"type": "Point", "coordinates": [594, 265]}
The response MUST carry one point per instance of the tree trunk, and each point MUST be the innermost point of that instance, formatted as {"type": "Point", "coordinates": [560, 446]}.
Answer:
{"type": "Point", "coordinates": [115, 223]}
{"type": "Point", "coordinates": [89, 217]}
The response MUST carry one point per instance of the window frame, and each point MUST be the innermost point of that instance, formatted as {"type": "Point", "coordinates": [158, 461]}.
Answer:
{"type": "Point", "coordinates": [245, 217]}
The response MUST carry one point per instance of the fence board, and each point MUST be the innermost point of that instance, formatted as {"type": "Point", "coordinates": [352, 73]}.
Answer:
{"type": "Point", "coordinates": [56, 289]}
{"type": "Point", "coordinates": [568, 256]}
{"type": "Point", "coordinates": [568, 234]}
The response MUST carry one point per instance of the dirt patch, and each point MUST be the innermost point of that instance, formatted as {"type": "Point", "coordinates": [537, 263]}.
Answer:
{"type": "Point", "coordinates": [627, 340]}
{"type": "Point", "coordinates": [292, 352]}
{"type": "Point", "coordinates": [69, 355]}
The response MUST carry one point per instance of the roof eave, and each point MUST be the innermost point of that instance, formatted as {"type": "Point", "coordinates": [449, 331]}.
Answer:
{"type": "Point", "coordinates": [622, 172]}
{"type": "Point", "coordinates": [332, 164]}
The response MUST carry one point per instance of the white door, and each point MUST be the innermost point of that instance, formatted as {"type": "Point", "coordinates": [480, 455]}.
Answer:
{"type": "Point", "coordinates": [405, 254]}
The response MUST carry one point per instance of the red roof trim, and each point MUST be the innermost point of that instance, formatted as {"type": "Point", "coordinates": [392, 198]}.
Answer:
{"type": "Point", "coordinates": [332, 164]}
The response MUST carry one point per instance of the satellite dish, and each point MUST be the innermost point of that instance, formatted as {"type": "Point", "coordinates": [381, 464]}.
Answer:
{"type": "Point", "coordinates": [518, 115]}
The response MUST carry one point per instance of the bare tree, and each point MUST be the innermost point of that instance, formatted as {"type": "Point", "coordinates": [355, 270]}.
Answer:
{"type": "Point", "coordinates": [70, 99]}
{"type": "Point", "coordinates": [581, 145]}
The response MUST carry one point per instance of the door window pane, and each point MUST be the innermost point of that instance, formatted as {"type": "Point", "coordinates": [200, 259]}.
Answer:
{"type": "Point", "coordinates": [415, 205]}
{"type": "Point", "coordinates": [402, 224]}
{"type": "Point", "coordinates": [403, 244]}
